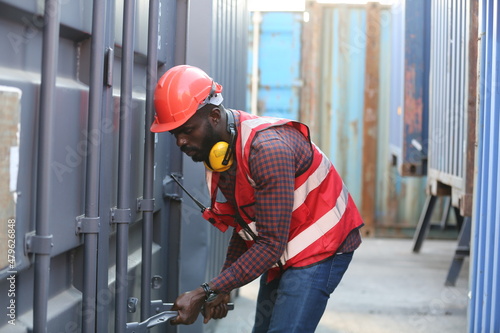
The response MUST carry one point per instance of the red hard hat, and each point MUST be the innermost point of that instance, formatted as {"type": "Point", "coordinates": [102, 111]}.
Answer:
{"type": "Point", "coordinates": [178, 94]}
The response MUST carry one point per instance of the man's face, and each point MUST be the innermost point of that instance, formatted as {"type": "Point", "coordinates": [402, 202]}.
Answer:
{"type": "Point", "coordinates": [196, 138]}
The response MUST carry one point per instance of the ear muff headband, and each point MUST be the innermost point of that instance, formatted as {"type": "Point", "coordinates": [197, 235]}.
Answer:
{"type": "Point", "coordinates": [221, 155]}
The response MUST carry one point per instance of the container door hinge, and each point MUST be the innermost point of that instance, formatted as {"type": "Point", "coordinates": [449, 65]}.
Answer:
{"type": "Point", "coordinates": [145, 205]}
{"type": "Point", "coordinates": [120, 215]}
{"type": "Point", "coordinates": [38, 244]}
{"type": "Point", "coordinates": [87, 225]}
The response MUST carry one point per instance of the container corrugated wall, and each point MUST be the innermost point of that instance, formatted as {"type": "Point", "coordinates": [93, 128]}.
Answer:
{"type": "Point", "coordinates": [66, 140]}
{"type": "Point", "coordinates": [416, 75]}
{"type": "Point", "coordinates": [484, 314]}
{"type": "Point", "coordinates": [338, 102]}
{"type": "Point", "coordinates": [397, 89]}
{"type": "Point", "coordinates": [68, 143]}
{"type": "Point", "coordinates": [216, 42]}
{"type": "Point", "coordinates": [229, 69]}
{"type": "Point", "coordinates": [274, 81]}
{"type": "Point", "coordinates": [229, 54]}
{"type": "Point", "coordinates": [341, 110]}
{"type": "Point", "coordinates": [410, 102]}
{"type": "Point", "coordinates": [449, 124]}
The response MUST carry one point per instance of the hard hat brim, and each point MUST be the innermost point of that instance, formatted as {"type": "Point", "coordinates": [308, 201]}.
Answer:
{"type": "Point", "coordinates": [156, 127]}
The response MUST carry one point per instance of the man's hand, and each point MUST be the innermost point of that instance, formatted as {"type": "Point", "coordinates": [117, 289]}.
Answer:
{"type": "Point", "coordinates": [189, 305]}
{"type": "Point", "coordinates": [217, 308]}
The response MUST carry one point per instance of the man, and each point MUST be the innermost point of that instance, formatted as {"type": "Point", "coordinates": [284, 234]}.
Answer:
{"type": "Point", "coordinates": [294, 222]}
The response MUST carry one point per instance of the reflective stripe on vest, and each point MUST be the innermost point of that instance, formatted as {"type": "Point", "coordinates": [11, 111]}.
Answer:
{"type": "Point", "coordinates": [313, 181]}
{"type": "Point", "coordinates": [252, 124]}
{"type": "Point", "coordinates": [316, 230]}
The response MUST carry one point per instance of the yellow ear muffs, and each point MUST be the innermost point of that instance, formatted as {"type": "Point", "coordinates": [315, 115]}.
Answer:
{"type": "Point", "coordinates": [216, 157]}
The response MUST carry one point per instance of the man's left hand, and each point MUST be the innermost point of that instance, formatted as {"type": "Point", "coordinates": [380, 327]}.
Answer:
{"type": "Point", "coordinates": [217, 308]}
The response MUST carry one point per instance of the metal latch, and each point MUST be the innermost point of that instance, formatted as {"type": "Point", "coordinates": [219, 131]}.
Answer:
{"type": "Point", "coordinates": [132, 304]}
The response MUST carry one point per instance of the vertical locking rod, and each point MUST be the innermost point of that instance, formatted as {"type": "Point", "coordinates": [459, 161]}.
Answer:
{"type": "Point", "coordinates": [50, 50]}
{"type": "Point", "coordinates": [124, 165]}
{"type": "Point", "coordinates": [89, 291]}
{"type": "Point", "coordinates": [147, 216]}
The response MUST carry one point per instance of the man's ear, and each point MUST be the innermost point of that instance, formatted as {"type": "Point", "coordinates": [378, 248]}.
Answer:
{"type": "Point", "coordinates": [215, 115]}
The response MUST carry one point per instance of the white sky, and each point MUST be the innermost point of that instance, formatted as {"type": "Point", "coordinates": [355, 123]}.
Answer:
{"type": "Point", "coordinates": [298, 5]}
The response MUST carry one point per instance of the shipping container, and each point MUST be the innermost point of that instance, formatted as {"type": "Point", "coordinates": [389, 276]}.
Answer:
{"type": "Point", "coordinates": [484, 310]}
{"type": "Point", "coordinates": [274, 64]}
{"type": "Point", "coordinates": [452, 123]}
{"type": "Point", "coordinates": [409, 110]}
{"type": "Point", "coordinates": [351, 58]}
{"type": "Point", "coordinates": [95, 235]}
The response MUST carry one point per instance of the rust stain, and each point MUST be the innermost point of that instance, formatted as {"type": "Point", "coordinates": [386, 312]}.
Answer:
{"type": "Point", "coordinates": [370, 119]}
{"type": "Point", "coordinates": [413, 104]}
{"type": "Point", "coordinates": [355, 128]}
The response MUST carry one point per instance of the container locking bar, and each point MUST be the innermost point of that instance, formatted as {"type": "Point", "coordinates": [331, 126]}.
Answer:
{"type": "Point", "coordinates": [152, 321]}
{"type": "Point", "coordinates": [159, 307]}
{"type": "Point", "coordinates": [159, 318]}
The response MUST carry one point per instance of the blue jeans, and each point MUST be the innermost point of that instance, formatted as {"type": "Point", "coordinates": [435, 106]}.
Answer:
{"type": "Point", "coordinates": [296, 301]}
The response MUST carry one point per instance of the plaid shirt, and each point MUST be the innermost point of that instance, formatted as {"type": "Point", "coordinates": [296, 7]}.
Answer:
{"type": "Point", "coordinates": [276, 156]}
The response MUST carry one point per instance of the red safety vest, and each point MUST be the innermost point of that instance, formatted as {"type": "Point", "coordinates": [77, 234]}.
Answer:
{"type": "Point", "coordinates": [323, 211]}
